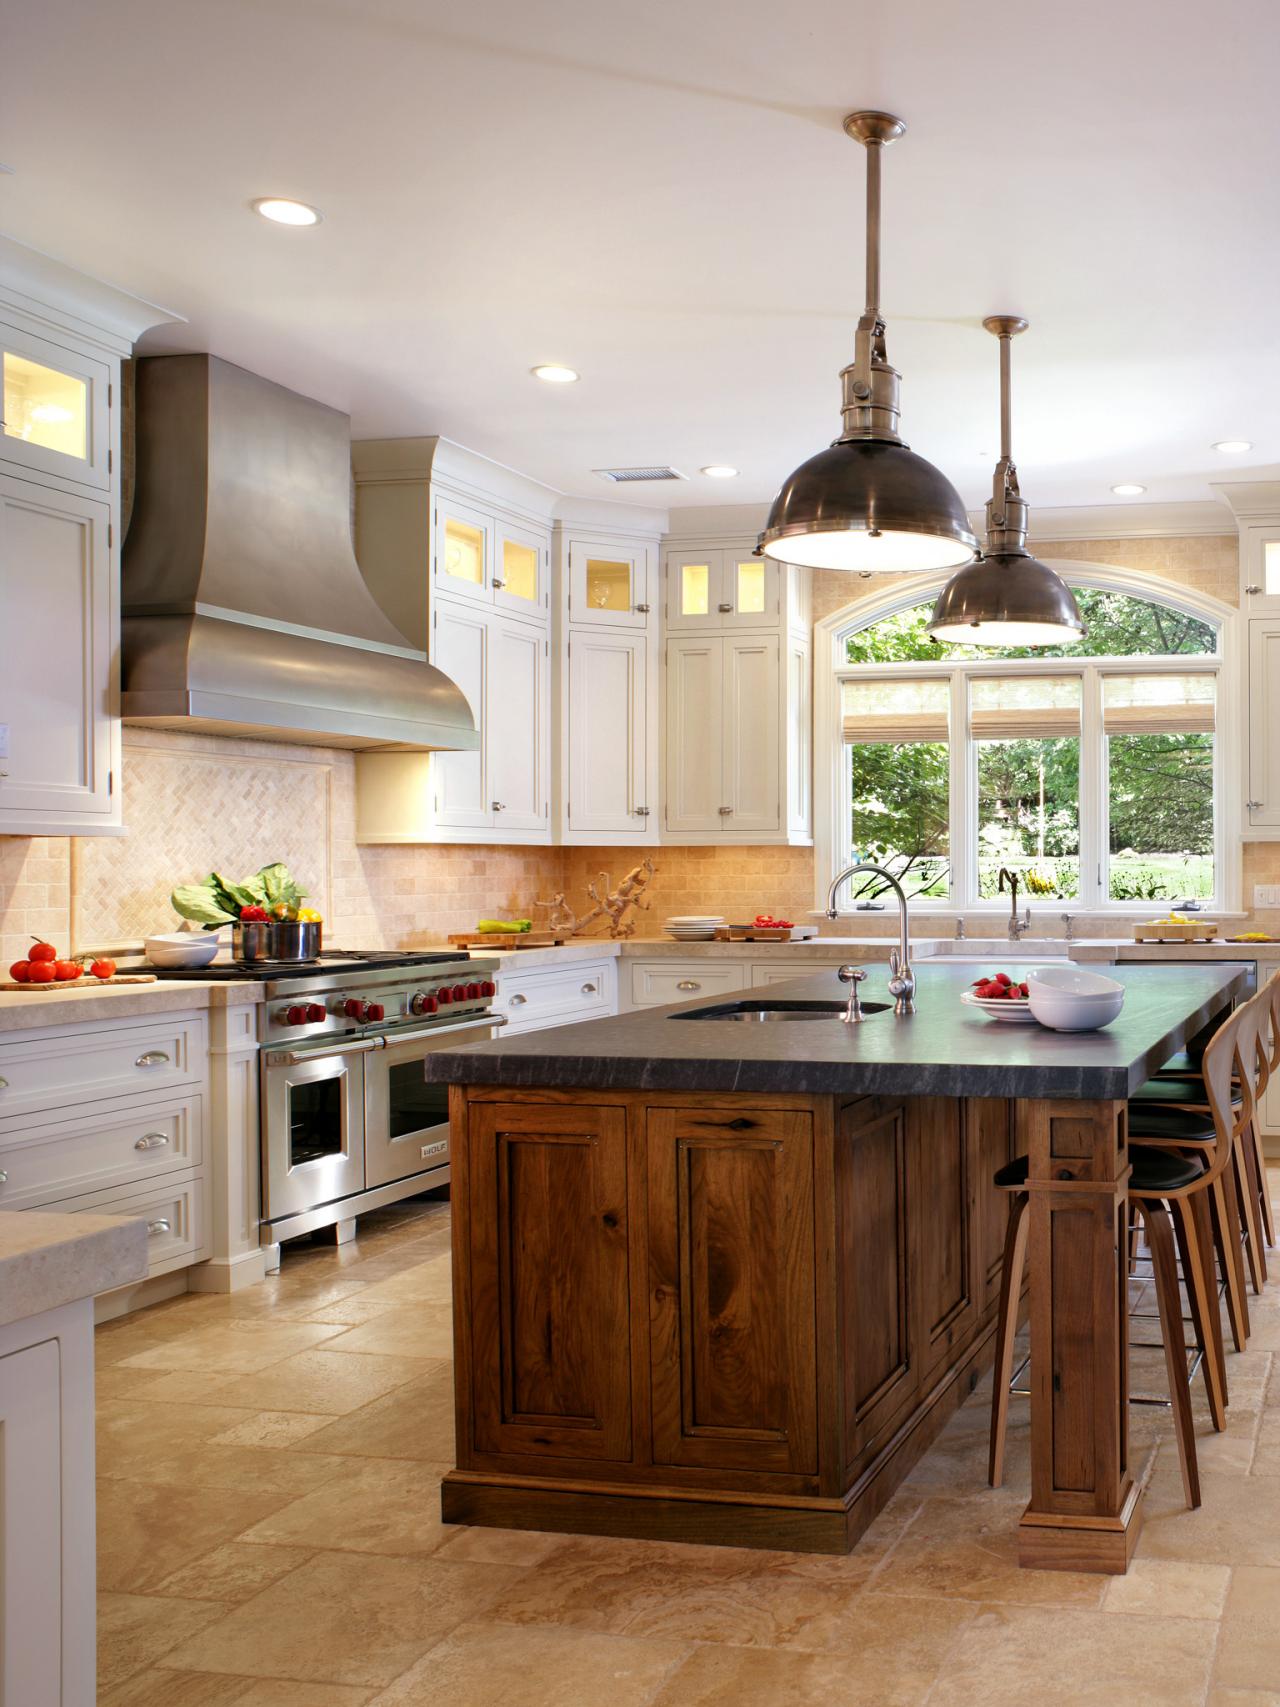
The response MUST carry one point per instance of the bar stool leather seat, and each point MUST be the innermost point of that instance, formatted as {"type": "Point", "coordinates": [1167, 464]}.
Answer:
{"type": "Point", "coordinates": [1155, 1172]}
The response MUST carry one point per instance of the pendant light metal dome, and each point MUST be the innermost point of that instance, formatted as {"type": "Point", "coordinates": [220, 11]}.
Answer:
{"type": "Point", "coordinates": [1008, 597]}
{"type": "Point", "coordinates": [868, 502]}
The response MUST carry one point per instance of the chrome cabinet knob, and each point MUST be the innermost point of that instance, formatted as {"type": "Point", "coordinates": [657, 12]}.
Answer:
{"type": "Point", "coordinates": [4, 1084]}
{"type": "Point", "coordinates": [518, 1001]}
{"type": "Point", "coordinates": [1253, 805]}
{"type": "Point", "coordinates": [1253, 589]}
{"type": "Point", "coordinates": [643, 610]}
{"type": "Point", "coordinates": [151, 1141]}
{"type": "Point", "coordinates": [155, 1227]}
{"type": "Point", "coordinates": [642, 811]}
{"type": "Point", "coordinates": [726, 811]}
{"type": "Point", "coordinates": [497, 583]}
{"type": "Point", "coordinates": [497, 806]}
{"type": "Point", "coordinates": [4, 1176]}
{"type": "Point", "coordinates": [152, 1058]}
{"type": "Point", "coordinates": [724, 608]}
{"type": "Point", "coordinates": [688, 984]}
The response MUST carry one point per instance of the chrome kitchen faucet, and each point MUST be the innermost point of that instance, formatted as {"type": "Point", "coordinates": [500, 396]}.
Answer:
{"type": "Point", "coordinates": [902, 980]}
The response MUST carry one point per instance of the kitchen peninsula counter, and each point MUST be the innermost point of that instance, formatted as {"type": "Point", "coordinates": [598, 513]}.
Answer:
{"type": "Point", "coordinates": [723, 1281]}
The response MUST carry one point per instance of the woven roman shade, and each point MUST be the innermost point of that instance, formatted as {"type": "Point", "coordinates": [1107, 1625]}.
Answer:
{"type": "Point", "coordinates": [1024, 708]}
{"type": "Point", "coordinates": [906, 708]}
{"type": "Point", "coordinates": [1159, 705]}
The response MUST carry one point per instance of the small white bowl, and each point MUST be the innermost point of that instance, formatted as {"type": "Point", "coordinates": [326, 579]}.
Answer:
{"type": "Point", "coordinates": [1012, 1010]}
{"type": "Point", "coordinates": [182, 948]}
{"type": "Point", "coordinates": [1067, 998]}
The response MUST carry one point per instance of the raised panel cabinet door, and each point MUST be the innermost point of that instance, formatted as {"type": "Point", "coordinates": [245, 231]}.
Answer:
{"type": "Point", "coordinates": [993, 1143]}
{"type": "Point", "coordinates": [693, 589]}
{"type": "Point", "coordinates": [30, 1547]}
{"type": "Point", "coordinates": [943, 1198]}
{"type": "Point", "coordinates": [460, 781]}
{"type": "Point", "coordinates": [55, 415]}
{"type": "Point", "coordinates": [799, 758]}
{"type": "Point", "coordinates": [57, 691]}
{"type": "Point", "coordinates": [462, 552]}
{"type": "Point", "coordinates": [608, 738]}
{"type": "Point", "coordinates": [731, 1288]}
{"type": "Point", "coordinates": [609, 584]}
{"type": "Point", "coordinates": [695, 791]}
{"type": "Point", "coordinates": [873, 1299]}
{"type": "Point", "coordinates": [752, 734]}
{"type": "Point", "coordinates": [1263, 805]}
{"type": "Point", "coordinates": [521, 570]}
{"type": "Point", "coordinates": [517, 736]}
{"type": "Point", "coordinates": [550, 1337]}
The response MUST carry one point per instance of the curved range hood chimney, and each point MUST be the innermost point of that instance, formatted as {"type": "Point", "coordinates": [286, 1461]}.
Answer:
{"type": "Point", "coordinates": [244, 608]}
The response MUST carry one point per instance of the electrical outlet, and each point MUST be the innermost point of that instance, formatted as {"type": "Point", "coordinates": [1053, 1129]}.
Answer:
{"type": "Point", "coordinates": [1266, 894]}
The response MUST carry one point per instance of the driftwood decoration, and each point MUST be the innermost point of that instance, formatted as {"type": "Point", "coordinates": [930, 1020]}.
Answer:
{"type": "Point", "coordinates": [612, 904]}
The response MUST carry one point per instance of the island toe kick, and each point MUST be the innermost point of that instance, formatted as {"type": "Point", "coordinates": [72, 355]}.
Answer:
{"type": "Point", "coordinates": [743, 1318]}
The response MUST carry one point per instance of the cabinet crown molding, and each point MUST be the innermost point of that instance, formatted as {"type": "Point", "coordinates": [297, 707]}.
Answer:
{"type": "Point", "coordinates": [40, 285]}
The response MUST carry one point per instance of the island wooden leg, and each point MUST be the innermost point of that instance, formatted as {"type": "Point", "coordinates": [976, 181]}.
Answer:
{"type": "Point", "coordinates": [1084, 1513]}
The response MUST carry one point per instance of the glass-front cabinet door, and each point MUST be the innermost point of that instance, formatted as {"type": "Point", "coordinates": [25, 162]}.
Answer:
{"type": "Point", "coordinates": [521, 571]}
{"type": "Point", "coordinates": [462, 558]}
{"type": "Point", "coordinates": [56, 410]}
{"type": "Point", "coordinates": [608, 584]}
{"type": "Point", "coordinates": [721, 589]}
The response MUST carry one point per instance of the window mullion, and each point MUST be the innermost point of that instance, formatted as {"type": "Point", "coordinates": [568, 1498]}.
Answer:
{"type": "Point", "coordinates": [962, 806]}
{"type": "Point", "coordinates": [1093, 792]}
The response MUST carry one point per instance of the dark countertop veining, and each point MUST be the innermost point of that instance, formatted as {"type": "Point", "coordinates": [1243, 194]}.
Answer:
{"type": "Point", "coordinates": [944, 1049]}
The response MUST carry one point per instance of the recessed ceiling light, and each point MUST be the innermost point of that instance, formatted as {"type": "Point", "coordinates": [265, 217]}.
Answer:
{"type": "Point", "coordinates": [1128, 489]}
{"type": "Point", "coordinates": [554, 373]}
{"type": "Point", "coordinates": [280, 210]}
{"type": "Point", "coordinates": [720, 471]}
{"type": "Point", "coordinates": [1232, 447]}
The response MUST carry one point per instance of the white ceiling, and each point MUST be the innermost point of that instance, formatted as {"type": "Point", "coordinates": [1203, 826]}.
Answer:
{"type": "Point", "coordinates": [662, 197]}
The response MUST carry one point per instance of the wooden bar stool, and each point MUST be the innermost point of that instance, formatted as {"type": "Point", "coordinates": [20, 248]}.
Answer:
{"type": "Point", "coordinates": [1171, 1190]}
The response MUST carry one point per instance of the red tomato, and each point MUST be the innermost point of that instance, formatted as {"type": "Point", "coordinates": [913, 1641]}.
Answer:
{"type": "Point", "coordinates": [103, 969]}
{"type": "Point", "coordinates": [67, 971]}
{"type": "Point", "coordinates": [42, 951]}
{"type": "Point", "coordinates": [18, 971]}
{"type": "Point", "coordinates": [41, 972]}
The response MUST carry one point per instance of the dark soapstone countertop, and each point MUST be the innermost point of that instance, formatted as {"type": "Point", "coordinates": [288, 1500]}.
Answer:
{"type": "Point", "coordinates": [943, 1049]}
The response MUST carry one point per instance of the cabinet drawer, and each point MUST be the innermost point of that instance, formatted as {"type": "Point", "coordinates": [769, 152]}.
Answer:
{"type": "Point", "coordinates": [103, 1145]}
{"type": "Point", "coordinates": [784, 971]}
{"type": "Point", "coordinates": [583, 990]}
{"type": "Point", "coordinates": [173, 1208]}
{"type": "Point", "coordinates": [654, 982]}
{"type": "Point", "coordinates": [70, 1067]}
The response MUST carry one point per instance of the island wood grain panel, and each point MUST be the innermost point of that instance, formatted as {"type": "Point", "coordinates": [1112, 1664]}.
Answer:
{"type": "Point", "coordinates": [549, 1233]}
{"type": "Point", "coordinates": [993, 1144]}
{"type": "Point", "coordinates": [942, 1191]}
{"type": "Point", "coordinates": [732, 1301]}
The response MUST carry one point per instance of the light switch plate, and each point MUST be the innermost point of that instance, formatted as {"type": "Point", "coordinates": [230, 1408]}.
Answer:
{"type": "Point", "coordinates": [4, 740]}
{"type": "Point", "coordinates": [1266, 894]}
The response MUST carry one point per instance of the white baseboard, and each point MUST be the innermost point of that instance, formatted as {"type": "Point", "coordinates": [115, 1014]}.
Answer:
{"type": "Point", "coordinates": [228, 1274]}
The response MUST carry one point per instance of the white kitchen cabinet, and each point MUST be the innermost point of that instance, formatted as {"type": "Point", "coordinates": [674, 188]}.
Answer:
{"type": "Point", "coordinates": [693, 735]}
{"type": "Point", "coordinates": [721, 587]}
{"type": "Point", "coordinates": [609, 582]}
{"type": "Point", "coordinates": [517, 727]}
{"type": "Point", "coordinates": [460, 646]}
{"type": "Point", "coordinates": [654, 983]}
{"type": "Point", "coordinates": [58, 641]}
{"type": "Point", "coordinates": [752, 723]}
{"type": "Point", "coordinates": [1263, 800]}
{"type": "Point", "coordinates": [56, 417]}
{"type": "Point", "coordinates": [484, 558]}
{"type": "Point", "coordinates": [607, 779]}
{"type": "Point", "coordinates": [521, 577]}
{"type": "Point", "coordinates": [556, 995]}
{"type": "Point", "coordinates": [31, 1490]}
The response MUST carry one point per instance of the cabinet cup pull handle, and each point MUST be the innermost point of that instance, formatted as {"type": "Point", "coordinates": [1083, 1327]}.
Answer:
{"type": "Point", "coordinates": [497, 583]}
{"type": "Point", "coordinates": [688, 984]}
{"type": "Point", "coordinates": [151, 1141]}
{"type": "Point", "coordinates": [588, 989]}
{"type": "Point", "coordinates": [152, 1058]}
{"type": "Point", "coordinates": [4, 1176]}
{"type": "Point", "coordinates": [154, 1227]}
{"type": "Point", "coordinates": [4, 1084]}
{"type": "Point", "coordinates": [1253, 589]}
{"type": "Point", "coordinates": [518, 1001]}
{"type": "Point", "coordinates": [725, 608]}
{"type": "Point", "coordinates": [643, 610]}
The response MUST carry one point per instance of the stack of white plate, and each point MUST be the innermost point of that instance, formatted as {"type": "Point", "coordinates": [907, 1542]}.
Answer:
{"type": "Point", "coordinates": [693, 927]}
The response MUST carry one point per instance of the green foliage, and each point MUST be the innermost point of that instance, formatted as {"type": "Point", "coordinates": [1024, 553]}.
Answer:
{"type": "Point", "coordinates": [217, 901]}
{"type": "Point", "coordinates": [900, 815]}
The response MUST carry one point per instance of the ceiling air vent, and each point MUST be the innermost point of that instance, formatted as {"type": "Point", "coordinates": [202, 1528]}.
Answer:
{"type": "Point", "coordinates": [624, 476]}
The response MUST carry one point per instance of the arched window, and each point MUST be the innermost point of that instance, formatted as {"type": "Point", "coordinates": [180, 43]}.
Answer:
{"type": "Point", "coordinates": [1092, 771]}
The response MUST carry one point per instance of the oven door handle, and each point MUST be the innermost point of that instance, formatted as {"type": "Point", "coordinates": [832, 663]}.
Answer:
{"type": "Point", "coordinates": [300, 1057]}
{"type": "Point", "coordinates": [471, 1022]}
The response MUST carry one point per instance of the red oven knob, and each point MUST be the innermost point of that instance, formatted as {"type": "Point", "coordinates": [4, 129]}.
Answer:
{"type": "Point", "coordinates": [421, 1003]}
{"type": "Point", "coordinates": [488, 988]}
{"type": "Point", "coordinates": [376, 1012]}
{"type": "Point", "coordinates": [459, 992]}
{"type": "Point", "coordinates": [295, 1015]}
{"type": "Point", "coordinates": [473, 992]}
{"type": "Point", "coordinates": [444, 997]}
{"type": "Point", "coordinates": [354, 1008]}
{"type": "Point", "coordinates": [315, 1013]}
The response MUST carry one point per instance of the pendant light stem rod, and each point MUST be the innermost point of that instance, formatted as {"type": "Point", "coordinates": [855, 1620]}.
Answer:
{"type": "Point", "coordinates": [874, 152]}
{"type": "Point", "coordinates": [1006, 408]}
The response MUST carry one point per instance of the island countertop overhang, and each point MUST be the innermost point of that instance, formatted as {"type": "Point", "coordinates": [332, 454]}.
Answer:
{"type": "Point", "coordinates": [944, 1049]}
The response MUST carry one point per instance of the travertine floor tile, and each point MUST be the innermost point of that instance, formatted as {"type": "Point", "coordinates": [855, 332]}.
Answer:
{"type": "Point", "coordinates": [1249, 1645]}
{"type": "Point", "coordinates": [234, 1572]}
{"type": "Point", "coordinates": [415, 1421]}
{"type": "Point", "coordinates": [496, 1546]}
{"type": "Point", "coordinates": [345, 1618]}
{"type": "Point", "coordinates": [887, 1632]}
{"type": "Point", "coordinates": [375, 1506]}
{"type": "Point", "coordinates": [133, 1434]}
{"type": "Point", "coordinates": [160, 1688]}
{"type": "Point", "coordinates": [1168, 1588]}
{"type": "Point", "coordinates": [135, 1630]}
{"type": "Point", "coordinates": [146, 1532]}
{"type": "Point", "coordinates": [481, 1665]}
{"type": "Point", "coordinates": [772, 1677]}
{"type": "Point", "coordinates": [425, 1282]}
{"type": "Point", "coordinates": [236, 1348]}
{"type": "Point", "coordinates": [322, 1381]}
{"type": "Point", "coordinates": [1237, 1524]}
{"type": "Point", "coordinates": [270, 1428]}
{"type": "Point", "coordinates": [419, 1329]}
{"type": "Point", "coordinates": [247, 1468]}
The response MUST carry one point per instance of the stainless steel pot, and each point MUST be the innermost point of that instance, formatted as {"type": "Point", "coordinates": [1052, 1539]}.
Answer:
{"type": "Point", "coordinates": [275, 940]}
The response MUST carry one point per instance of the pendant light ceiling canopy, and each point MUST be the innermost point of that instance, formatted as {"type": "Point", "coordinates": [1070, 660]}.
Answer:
{"type": "Point", "coordinates": [1008, 597]}
{"type": "Point", "coordinates": [868, 502]}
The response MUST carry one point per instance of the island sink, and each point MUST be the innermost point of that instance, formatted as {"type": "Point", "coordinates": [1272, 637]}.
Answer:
{"type": "Point", "coordinates": [769, 1012]}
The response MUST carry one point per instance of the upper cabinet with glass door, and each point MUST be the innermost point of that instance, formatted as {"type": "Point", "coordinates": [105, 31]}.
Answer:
{"type": "Point", "coordinates": [609, 584]}
{"type": "Point", "coordinates": [721, 589]}
{"type": "Point", "coordinates": [485, 560]}
{"type": "Point", "coordinates": [56, 411]}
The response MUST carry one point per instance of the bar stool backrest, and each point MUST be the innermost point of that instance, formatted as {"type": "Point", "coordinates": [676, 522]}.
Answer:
{"type": "Point", "coordinates": [1269, 1034]}
{"type": "Point", "coordinates": [1231, 1059]}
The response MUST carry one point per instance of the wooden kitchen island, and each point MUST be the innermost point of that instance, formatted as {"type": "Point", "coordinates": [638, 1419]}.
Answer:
{"type": "Point", "coordinates": [724, 1282]}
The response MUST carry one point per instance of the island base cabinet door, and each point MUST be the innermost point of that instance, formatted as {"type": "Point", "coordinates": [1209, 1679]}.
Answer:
{"type": "Point", "coordinates": [548, 1189]}
{"type": "Point", "coordinates": [731, 1288]}
{"type": "Point", "coordinates": [31, 1501]}
{"type": "Point", "coordinates": [943, 1199]}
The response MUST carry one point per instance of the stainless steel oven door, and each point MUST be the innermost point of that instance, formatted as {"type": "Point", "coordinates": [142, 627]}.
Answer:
{"type": "Point", "coordinates": [406, 1120]}
{"type": "Point", "coordinates": [312, 1126]}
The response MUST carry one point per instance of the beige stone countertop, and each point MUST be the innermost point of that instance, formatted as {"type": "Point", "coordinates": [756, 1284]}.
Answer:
{"type": "Point", "coordinates": [23, 1010]}
{"type": "Point", "coordinates": [47, 1260]}
{"type": "Point", "coordinates": [579, 948]}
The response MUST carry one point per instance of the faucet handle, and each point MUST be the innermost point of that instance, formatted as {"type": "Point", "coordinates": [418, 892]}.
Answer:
{"type": "Point", "coordinates": [851, 974]}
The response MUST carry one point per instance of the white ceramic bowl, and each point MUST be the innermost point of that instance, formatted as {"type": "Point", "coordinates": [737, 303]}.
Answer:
{"type": "Point", "coordinates": [1067, 998]}
{"type": "Point", "coordinates": [182, 948]}
{"type": "Point", "coordinates": [1012, 1010]}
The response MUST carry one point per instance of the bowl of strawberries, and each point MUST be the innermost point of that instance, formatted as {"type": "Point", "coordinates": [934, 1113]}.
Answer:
{"type": "Point", "coordinates": [1000, 997]}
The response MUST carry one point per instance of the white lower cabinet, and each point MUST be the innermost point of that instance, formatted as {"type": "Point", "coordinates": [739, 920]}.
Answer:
{"type": "Point", "coordinates": [654, 983]}
{"type": "Point", "coordinates": [608, 752]}
{"type": "Point", "coordinates": [556, 995]}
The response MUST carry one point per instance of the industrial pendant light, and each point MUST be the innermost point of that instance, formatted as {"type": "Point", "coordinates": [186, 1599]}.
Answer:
{"type": "Point", "coordinates": [1008, 597]}
{"type": "Point", "coordinates": [868, 503]}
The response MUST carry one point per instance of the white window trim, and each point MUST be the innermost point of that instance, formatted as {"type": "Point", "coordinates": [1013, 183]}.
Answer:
{"type": "Point", "coordinates": [831, 783]}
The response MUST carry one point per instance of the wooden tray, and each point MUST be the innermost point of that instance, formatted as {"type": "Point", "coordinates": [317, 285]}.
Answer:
{"type": "Point", "coordinates": [1194, 930]}
{"type": "Point", "coordinates": [85, 983]}
{"type": "Point", "coordinates": [761, 933]}
{"type": "Point", "coordinates": [506, 940]}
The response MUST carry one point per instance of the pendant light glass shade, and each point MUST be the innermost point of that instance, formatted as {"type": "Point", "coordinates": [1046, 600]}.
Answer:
{"type": "Point", "coordinates": [868, 502]}
{"type": "Point", "coordinates": [1008, 597]}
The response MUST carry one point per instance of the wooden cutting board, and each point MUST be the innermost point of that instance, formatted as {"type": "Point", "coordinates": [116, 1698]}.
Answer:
{"type": "Point", "coordinates": [1162, 930]}
{"type": "Point", "coordinates": [84, 983]}
{"type": "Point", "coordinates": [763, 933]}
{"type": "Point", "coordinates": [506, 939]}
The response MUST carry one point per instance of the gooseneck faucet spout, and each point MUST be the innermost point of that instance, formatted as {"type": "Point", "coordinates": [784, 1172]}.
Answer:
{"type": "Point", "coordinates": [1017, 923]}
{"type": "Point", "coordinates": [902, 979]}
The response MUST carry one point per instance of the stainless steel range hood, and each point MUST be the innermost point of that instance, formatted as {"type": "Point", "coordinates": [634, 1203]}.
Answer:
{"type": "Point", "coordinates": [244, 608]}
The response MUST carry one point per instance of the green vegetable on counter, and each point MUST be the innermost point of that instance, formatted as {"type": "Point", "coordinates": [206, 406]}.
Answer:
{"type": "Point", "coordinates": [504, 927]}
{"type": "Point", "coordinates": [217, 901]}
